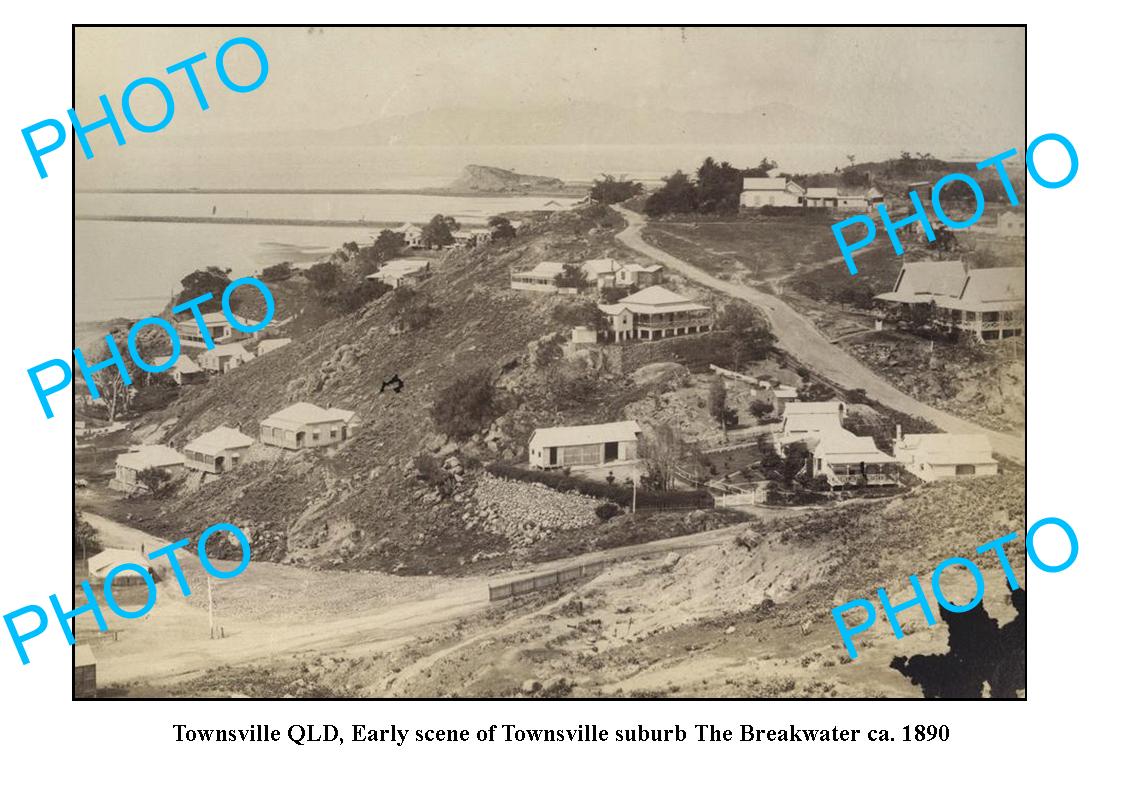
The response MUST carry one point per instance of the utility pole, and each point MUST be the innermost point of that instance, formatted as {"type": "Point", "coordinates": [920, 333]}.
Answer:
{"type": "Point", "coordinates": [635, 481]}
{"type": "Point", "coordinates": [210, 605]}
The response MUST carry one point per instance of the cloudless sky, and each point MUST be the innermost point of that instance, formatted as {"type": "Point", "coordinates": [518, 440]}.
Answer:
{"type": "Point", "coordinates": [966, 83]}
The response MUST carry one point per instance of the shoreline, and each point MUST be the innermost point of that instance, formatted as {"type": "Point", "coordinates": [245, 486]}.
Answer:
{"type": "Point", "coordinates": [572, 190]}
{"type": "Point", "coordinates": [250, 221]}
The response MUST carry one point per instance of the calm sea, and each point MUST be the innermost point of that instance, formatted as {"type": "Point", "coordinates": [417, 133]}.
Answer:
{"type": "Point", "coordinates": [131, 268]}
{"type": "Point", "coordinates": [127, 268]}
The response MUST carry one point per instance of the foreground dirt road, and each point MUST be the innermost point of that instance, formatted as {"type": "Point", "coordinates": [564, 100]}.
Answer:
{"type": "Point", "coordinates": [173, 642]}
{"type": "Point", "coordinates": [797, 335]}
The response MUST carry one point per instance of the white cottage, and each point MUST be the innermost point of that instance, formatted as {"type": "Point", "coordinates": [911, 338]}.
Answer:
{"type": "Point", "coordinates": [305, 425]}
{"type": "Point", "coordinates": [217, 451]}
{"type": "Point", "coordinates": [130, 464]}
{"type": "Point", "coordinates": [585, 446]}
{"type": "Point", "coordinates": [933, 457]}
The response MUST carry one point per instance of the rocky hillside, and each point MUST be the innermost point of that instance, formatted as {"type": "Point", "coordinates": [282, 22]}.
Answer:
{"type": "Point", "coordinates": [489, 179]}
{"type": "Point", "coordinates": [365, 504]}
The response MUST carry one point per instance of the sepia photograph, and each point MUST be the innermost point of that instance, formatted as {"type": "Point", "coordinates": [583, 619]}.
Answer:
{"type": "Point", "coordinates": [549, 362]}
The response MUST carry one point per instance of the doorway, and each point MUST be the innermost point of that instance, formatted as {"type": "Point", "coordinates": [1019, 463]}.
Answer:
{"type": "Point", "coordinates": [611, 451]}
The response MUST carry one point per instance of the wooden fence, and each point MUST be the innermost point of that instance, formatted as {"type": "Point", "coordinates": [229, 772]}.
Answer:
{"type": "Point", "coordinates": [545, 580]}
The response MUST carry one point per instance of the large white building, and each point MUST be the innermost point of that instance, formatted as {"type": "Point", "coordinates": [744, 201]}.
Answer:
{"type": "Point", "coordinates": [988, 303]}
{"type": "Point", "coordinates": [770, 192]}
{"type": "Point", "coordinates": [585, 446]}
{"type": "Point", "coordinates": [655, 313]}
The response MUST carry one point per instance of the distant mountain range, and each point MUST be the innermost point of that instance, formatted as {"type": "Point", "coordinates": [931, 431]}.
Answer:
{"type": "Point", "coordinates": [599, 125]}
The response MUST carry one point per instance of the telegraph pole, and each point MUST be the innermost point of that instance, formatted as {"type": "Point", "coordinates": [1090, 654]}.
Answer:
{"type": "Point", "coordinates": [210, 605]}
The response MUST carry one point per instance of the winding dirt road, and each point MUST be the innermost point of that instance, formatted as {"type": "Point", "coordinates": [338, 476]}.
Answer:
{"type": "Point", "coordinates": [797, 335]}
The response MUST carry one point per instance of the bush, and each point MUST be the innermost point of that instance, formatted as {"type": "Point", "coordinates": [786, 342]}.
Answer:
{"type": "Point", "coordinates": [156, 480]}
{"type": "Point", "coordinates": [465, 406]}
{"type": "Point", "coordinates": [760, 408]}
{"type": "Point", "coordinates": [606, 511]}
{"type": "Point", "coordinates": [277, 273]}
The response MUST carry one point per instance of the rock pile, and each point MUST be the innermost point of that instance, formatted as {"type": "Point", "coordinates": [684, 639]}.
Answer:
{"type": "Point", "coordinates": [526, 512]}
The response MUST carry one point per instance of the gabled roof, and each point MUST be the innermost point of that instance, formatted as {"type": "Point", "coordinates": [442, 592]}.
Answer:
{"type": "Point", "coordinates": [272, 344]}
{"type": "Point", "coordinates": [184, 364]}
{"type": "Point", "coordinates": [83, 656]}
{"type": "Point", "coordinates": [643, 269]}
{"type": "Point", "coordinates": [1006, 286]}
{"type": "Point", "coordinates": [603, 266]}
{"type": "Point", "coordinates": [106, 560]}
{"type": "Point", "coordinates": [228, 350]}
{"type": "Point", "coordinates": [302, 414]}
{"type": "Point", "coordinates": [822, 193]}
{"type": "Point", "coordinates": [948, 448]}
{"type": "Point", "coordinates": [837, 446]}
{"type": "Point", "coordinates": [926, 281]}
{"type": "Point", "coordinates": [546, 268]}
{"type": "Point", "coordinates": [218, 440]}
{"type": "Point", "coordinates": [344, 415]}
{"type": "Point", "coordinates": [658, 299]}
{"type": "Point", "coordinates": [561, 436]}
{"type": "Point", "coordinates": [150, 456]}
{"type": "Point", "coordinates": [401, 268]}
{"type": "Point", "coordinates": [764, 184]}
{"type": "Point", "coordinates": [813, 407]}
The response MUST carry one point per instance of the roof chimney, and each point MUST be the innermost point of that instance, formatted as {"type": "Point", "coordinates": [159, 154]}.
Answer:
{"type": "Point", "coordinates": [898, 432]}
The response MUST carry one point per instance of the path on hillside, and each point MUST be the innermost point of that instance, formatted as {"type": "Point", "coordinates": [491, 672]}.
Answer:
{"type": "Point", "coordinates": [798, 335]}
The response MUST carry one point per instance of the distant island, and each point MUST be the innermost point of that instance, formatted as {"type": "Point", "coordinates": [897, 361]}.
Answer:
{"type": "Point", "coordinates": [489, 179]}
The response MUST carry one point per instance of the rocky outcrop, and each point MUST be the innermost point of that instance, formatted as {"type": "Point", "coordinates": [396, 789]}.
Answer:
{"type": "Point", "coordinates": [489, 179]}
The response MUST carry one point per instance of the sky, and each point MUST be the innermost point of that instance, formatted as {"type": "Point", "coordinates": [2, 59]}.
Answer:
{"type": "Point", "coordinates": [967, 82]}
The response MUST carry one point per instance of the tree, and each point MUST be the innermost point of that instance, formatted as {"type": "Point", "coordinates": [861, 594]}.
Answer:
{"type": "Point", "coordinates": [661, 450]}
{"type": "Point", "coordinates": [611, 294]}
{"type": "Point", "coordinates": [409, 308]}
{"type": "Point", "coordinates": [501, 228]}
{"type": "Point", "coordinates": [466, 406]}
{"type": "Point", "coordinates": [609, 190]}
{"type": "Point", "coordinates": [87, 541]}
{"type": "Point", "coordinates": [365, 292]}
{"type": "Point", "coordinates": [438, 232]}
{"type": "Point", "coordinates": [795, 459]}
{"type": "Point", "coordinates": [157, 481]}
{"type": "Point", "coordinates": [851, 158]}
{"type": "Point", "coordinates": [323, 276]}
{"type": "Point", "coordinates": [211, 280]}
{"type": "Point", "coordinates": [116, 395]}
{"type": "Point", "coordinates": [762, 168]}
{"type": "Point", "coordinates": [717, 398]}
{"type": "Point", "coordinates": [277, 273]}
{"type": "Point", "coordinates": [581, 313]}
{"type": "Point", "coordinates": [760, 408]}
{"type": "Point", "coordinates": [572, 275]}
{"type": "Point", "coordinates": [678, 195]}
{"type": "Point", "coordinates": [387, 245]}
{"type": "Point", "coordinates": [718, 187]}
{"type": "Point", "coordinates": [750, 335]}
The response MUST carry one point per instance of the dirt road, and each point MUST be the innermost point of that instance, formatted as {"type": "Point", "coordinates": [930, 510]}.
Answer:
{"type": "Point", "coordinates": [797, 335]}
{"type": "Point", "coordinates": [173, 641]}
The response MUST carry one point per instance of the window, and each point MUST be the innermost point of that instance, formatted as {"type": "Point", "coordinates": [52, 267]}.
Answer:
{"type": "Point", "coordinates": [580, 454]}
{"type": "Point", "coordinates": [315, 436]}
{"type": "Point", "coordinates": [334, 433]}
{"type": "Point", "coordinates": [964, 469]}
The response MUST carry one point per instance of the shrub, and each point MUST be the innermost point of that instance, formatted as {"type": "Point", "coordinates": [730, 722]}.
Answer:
{"type": "Point", "coordinates": [760, 408]}
{"type": "Point", "coordinates": [157, 481]}
{"type": "Point", "coordinates": [277, 273]}
{"type": "Point", "coordinates": [465, 406]}
{"type": "Point", "coordinates": [619, 494]}
{"type": "Point", "coordinates": [606, 511]}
